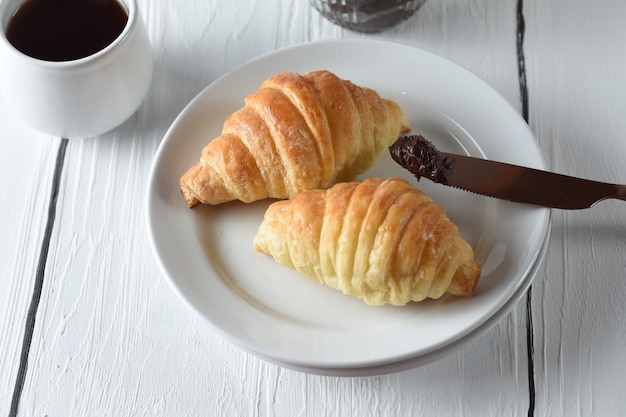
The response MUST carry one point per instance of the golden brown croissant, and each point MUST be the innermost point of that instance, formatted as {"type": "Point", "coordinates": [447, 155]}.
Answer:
{"type": "Point", "coordinates": [297, 132]}
{"type": "Point", "coordinates": [381, 241]}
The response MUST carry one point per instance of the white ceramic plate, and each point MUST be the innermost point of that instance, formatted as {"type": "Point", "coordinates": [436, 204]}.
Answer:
{"type": "Point", "coordinates": [274, 313]}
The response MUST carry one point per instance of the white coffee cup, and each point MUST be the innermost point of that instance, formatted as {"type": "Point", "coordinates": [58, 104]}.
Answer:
{"type": "Point", "coordinates": [83, 97]}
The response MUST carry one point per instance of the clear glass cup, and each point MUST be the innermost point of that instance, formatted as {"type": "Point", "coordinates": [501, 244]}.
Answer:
{"type": "Point", "coordinates": [367, 15]}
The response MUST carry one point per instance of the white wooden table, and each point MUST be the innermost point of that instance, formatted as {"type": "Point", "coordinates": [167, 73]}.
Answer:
{"type": "Point", "coordinates": [89, 327]}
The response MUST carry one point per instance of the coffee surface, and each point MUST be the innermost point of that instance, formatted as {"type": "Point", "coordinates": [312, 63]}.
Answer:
{"type": "Point", "coordinates": [64, 30]}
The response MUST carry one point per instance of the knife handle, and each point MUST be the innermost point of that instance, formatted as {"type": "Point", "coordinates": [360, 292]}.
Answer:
{"type": "Point", "coordinates": [620, 193]}
{"type": "Point", "coordinates": [592, 192]}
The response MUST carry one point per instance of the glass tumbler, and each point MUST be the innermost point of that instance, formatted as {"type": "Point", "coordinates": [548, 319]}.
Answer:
{"type": "Point", "coordinates": [367, 15]}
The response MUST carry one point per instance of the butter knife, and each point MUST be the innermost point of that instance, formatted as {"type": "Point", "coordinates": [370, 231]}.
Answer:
{"type": "Point", "coordinates": [500, 180]}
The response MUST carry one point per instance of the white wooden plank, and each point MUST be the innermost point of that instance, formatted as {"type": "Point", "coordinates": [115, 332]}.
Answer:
{"type": "Point", "coordinates": [113, 339]}
{"type": "Point", "coordinates": [576, 63]}
{"type": "Point", "coordinates": [27, 159]}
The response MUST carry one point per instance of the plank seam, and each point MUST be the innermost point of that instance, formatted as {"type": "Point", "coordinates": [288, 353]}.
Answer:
{"type": "Point", "coordinates": [523, 88]}
{"type": "Point", "coordinates": [39, 280]}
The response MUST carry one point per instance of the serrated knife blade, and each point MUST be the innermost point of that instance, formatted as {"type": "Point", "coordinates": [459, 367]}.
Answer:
{"type": "Point", "coordinates": [510, 182]}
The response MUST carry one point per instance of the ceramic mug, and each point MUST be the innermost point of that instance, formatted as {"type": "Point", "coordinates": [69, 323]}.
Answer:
{"type": "Point", "coordinates": [82, 97]}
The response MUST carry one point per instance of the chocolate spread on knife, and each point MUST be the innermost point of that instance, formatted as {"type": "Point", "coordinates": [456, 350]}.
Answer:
{"type": "Point", "coordinates": [421, 158]}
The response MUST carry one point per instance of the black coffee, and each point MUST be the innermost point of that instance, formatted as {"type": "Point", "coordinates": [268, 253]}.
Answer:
{"type": "Point", "coordinates": [63, 30]}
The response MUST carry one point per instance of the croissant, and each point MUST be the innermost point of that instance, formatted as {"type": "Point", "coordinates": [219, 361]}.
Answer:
{"type": "Point", "coordinates": [381, 241]}
{"type": "Point", "coordinates": [297, 132]}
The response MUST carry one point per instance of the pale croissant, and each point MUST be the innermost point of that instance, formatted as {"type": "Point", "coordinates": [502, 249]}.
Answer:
{"type": "Point", "coordinates": [381, 241]}
{"type": "Point", "coordinates": [297, 132]}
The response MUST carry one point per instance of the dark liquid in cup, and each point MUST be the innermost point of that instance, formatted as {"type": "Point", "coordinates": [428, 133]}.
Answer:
{"type": "Point", "coordinates": [64, 30]}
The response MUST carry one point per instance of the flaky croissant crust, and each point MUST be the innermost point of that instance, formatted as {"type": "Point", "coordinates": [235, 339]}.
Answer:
{"type": "Point", "coordinates": [297, 132]}
{"type": "Point", "coordinates": [381, 241]}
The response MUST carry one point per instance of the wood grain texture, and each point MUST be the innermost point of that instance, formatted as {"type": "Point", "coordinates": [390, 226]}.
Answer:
{"type": "Point", "coordinates": [27, 160]}
{"type": "Point", "coordinates": [111, 338]}
{"type": "Point", "coordinates": [576, 66]}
